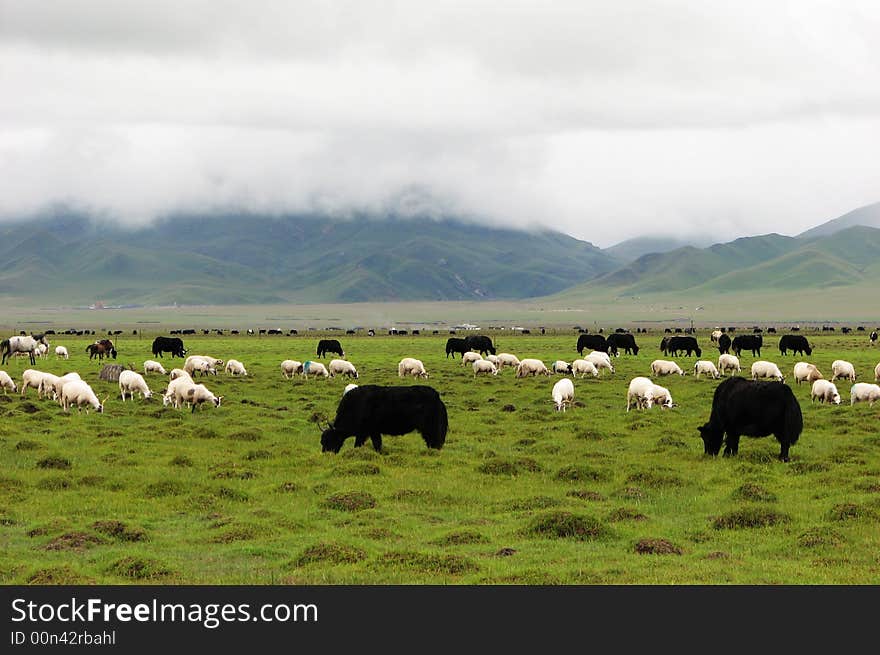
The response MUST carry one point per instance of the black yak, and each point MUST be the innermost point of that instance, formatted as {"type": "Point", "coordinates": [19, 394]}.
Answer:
{"type": "Point", "coordinates": [754, 409]}
{"type": "Point", "coordinates": [481, 344]}
{"type": "Point", "coordinates": [455, 345]}
{"type": "Point", "coordinates": [370, 410]}
{"type": "Point", "coordinates": [623, 341]}
{"type": "Point", "coordinates": [753, 342]}
{"type": "Point", "coordinates": [724, 344]}
{"type": "Point", "coordinates": [797, 343]}
{"type": "Point", "coordinates": [329, 346]}
{"type": "Point", "coordinates": [595, 342]}
{"type": "Point", "coordinates": [173, 345]}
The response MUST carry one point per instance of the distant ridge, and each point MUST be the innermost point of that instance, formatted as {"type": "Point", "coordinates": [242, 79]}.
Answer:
{"type": "Point", "coordinates": [869, 216]}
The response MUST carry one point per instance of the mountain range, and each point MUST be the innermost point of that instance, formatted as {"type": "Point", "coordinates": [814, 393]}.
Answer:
{"type": "Point", "coordinates": [68, 258]}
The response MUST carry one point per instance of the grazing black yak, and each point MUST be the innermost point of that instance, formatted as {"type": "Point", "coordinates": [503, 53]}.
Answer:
{"type": "Point", "coordinates": [370, 410]}
{"type": "Point", "coordinates": [455, 345]}
{"type": "Point", "coordinates": [724, 344]}
{"type": "Point", "coordinates": [329, 346]}
{"type": "Point", "coordinates": [752, 342]}
{"type": "Point", "coordinates": [173, 345]}
{"type": "Point", "coordinates": [623, 341]}
{"type": "Point", "coordinates": [797, 343]}
{"type": "Point", "coordinates": [754, 409]}
{"type": "Point", "coordinates": [595, 342]}
{"type": "Point", "coordinates": [481, 344]}
{"type": "Point", "coordinates": [675, 345]}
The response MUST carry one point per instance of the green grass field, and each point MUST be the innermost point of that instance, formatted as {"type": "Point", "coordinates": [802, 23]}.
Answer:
{"type": "Point", "coordinates": [241, 494]}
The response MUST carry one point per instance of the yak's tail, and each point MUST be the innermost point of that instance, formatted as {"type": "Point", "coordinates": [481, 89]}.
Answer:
{"type": "Point", "coordinates": [794, 420]}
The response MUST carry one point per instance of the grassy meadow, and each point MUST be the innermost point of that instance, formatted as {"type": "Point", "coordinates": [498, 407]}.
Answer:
{"type": "Point", "coordinates": [242, 494]}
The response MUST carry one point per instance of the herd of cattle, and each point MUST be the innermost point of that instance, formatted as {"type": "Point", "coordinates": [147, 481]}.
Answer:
{"type": "Point", "coordinates": [757, 407]}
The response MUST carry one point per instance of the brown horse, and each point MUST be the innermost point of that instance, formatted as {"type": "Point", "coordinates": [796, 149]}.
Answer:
{"type": "Point", "coordinates": [101, 348]}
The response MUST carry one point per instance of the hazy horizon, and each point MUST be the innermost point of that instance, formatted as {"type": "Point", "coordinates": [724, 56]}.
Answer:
{"type": "Point", "coordinates": [657, 118]}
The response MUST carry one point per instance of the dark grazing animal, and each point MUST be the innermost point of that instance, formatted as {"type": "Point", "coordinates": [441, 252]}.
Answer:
{"type": "Point", "coordinates": [752, 342]}
{"type": "Point", "coordinates": [873, 337]}
{"type": "Point", "coordinates": [797, 343]}
{"type": "Point", "coordinates": [595, 342]}
{"type": "Point", "coordinates": [675, 345]}
{"type": "Point", "coordinates": [101, 348]}
{"type": "Point", "coordinates": [723, 344]}
{"type": "Point", "coordinates": [370, 410]}
{"type": "Point", "coordinates": [624, 341]}
{"type": "Point", "coordinates": [21, 344]}
{"type": "Point", "coordinates": [481, 344]}
{"type": "Point", "coordinates": [173, 345]}
{"type": "Point", "coordinates": [330, 346]}
{"type": "Point", "coordinates": [455, 345]}
{"type": "Point", "coordinates": [754, 409]}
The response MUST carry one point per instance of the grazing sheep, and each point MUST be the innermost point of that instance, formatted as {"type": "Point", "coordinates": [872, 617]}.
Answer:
{"type": "Point", "coordinates": [196, 363]}
{"type": "Point", "coordinates": [411, 366]}
{"type": "Point", "coordinates": [470, 357]}
{"type": "Point", "coordinates": [665, 367]}
{"type": "Point", "coordinates": [562, 367]}
{"type": "Point", "coordinates": [176, 392]}
{"type": "Point", "coordinates": [842, 370]}
{"type": "Point", "coordinates": [7, 383]}
{"type": "Point", "coordinates": [806, 372]}
{"type": "Point", "coordinates": [131, 381]}
{"type": "Point", "coordinates": [863, 392]}
{"type": "Point", "coordinates": [661, 396]}
{"type": "Point", "coordinates": [762, 369]}
{"type": "Point", "coordinates": [57, 385]}
{"type": "Point", "coordinates": [729, 363]}
{"type": "Point", "coordinates": [584, 368]}
{"type": "Point", "coordinates": [33, 378]}
{"type": "Point", "coordinates": [825, 392]}
{"type": "Point", "coordinates": [291, 367]}
{"type": "Point", "coordinates": [600, 360]}
{"type": "Point", "coordinates": [704, 366]}
{"type": "Point", "coordinates": [507, 359]}
{"type": "Point", "coordinates": [639, 393]}
{"type": "Point", "coordinates": [342, 367]}
{"type": "Point", "coordinates": [61, 352]}
{"type": "Point", "coordinates": [563, 394]}
{"type": "Point", "coordinates": [495, 359]}
{"type": "Point", "coordinates": [42, 350]}
{"type": "Point", "coordinates": [151, 366]}
{"type": "Point", "coordinates": [199, 394]}
{"type": "Point", "coordinates": [484, 367]}
{"type": "Point", "coordinates": [235, 367]}
{"type": "Point", "coordinates": [79, 393]}
{"type": "Point", "coordinates": [531, 367]}
{"type": "Point", "coordinates": [314, 369]}
{"type": "Point", "coordinates": [213, 361]}
{"type": "Point", "coordinates": [178, 373]}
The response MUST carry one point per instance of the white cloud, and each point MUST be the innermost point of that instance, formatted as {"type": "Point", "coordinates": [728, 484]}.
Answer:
{"type": "Point", "coordinates": [601, 120]}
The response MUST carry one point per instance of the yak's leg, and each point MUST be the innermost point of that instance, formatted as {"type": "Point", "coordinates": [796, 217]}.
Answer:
{"type": "Point", "coordinates": [377, 442]}
{"type": "Point", "coordinates": [360, 440]}
{"type": "Point", "coordinates": [731, 445]}
{"type": "Point", "coordinates": [783, 453]}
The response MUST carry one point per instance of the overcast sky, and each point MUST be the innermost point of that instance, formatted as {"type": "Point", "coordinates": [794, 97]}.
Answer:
{"type": "Point", "coordinates": [605, 120]}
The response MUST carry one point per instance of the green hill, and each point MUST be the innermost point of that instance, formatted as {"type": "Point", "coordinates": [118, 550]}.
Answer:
{"type": "Point", "coordinates": [236, 258]}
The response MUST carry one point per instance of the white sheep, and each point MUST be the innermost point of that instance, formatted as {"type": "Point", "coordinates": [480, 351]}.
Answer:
{"type": "Point", "coordinates": [507, 359]}
{"type": "Point", "coordinates": [57, 385]}
{"type": "Point", "coordinates": [314, 369]}
{"type": "Point", "coordinates": [32, 378]}
{"type": "Point", "coordinates": [61, 352]}
{"type": "Point", "coordinates": [7, 382]}
{"type": "Point", "coordinates": [661, 396]}
{"type": "Point", "coordinates": [842, 370]}
{"type": "Point", "coordinates": [704, 366]}
{"type": "Point", "coordinates": [729, 363]}
{"type": "Point", "coordinates": [151, 366]}
{"type": "Point", "coordinates": [178, 373]}
{"type": "Point", "coordinates": [41, 350]}
{"type": "Point", "coordinates": [495, 359]}
{"type": "Point", "coordinates": [235, 367]}
{"type": "Point", "coordinates": [290, 367]}
{"type": "Point", "coordinates": [213, 361]}
{"type": "Point", "coordinates": [763, 369]}
{"type": "Point", "coordinates": [79, 393]}
{"type": "Point", "coordinates": [176, 393]}
{"type": "Point", "coordinates": [563, 394]}
{"type": "Point", "coordinates": [560, 366]}
{"type": "Point", "coordinates": [197, 363]}
{"type": "Point", "coordinates": [484, 367]}
{"type": "Point", "coordinates": [806, 372]}
{"type": "Point", "coordinates": [584, 368]}
{"type": "Point", "coordinates": [411, 366]}
{"type": "Point", "coordinates": [863, 392]}
{"type": "Point", "coordinates": [825, 392]}
{"type": "Point", "coordinates": [877, 373]}
{"type": "Point", "coordinates": [531, 367]}
{"type": "Point", "coordinates": [199, 394]}
{"type": "Point", "coordinates": [600, 360]}
{"type": "Point", "coordinates": [639, 393]}
{"type": "Point", "coordinates": [470, 357]}
{"type": "Point", "coordinates": [131, 381]}
{"type": "Point", "coordinates": [342, 367]}
{"type": "Point", "coordinates": [665, 367]}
